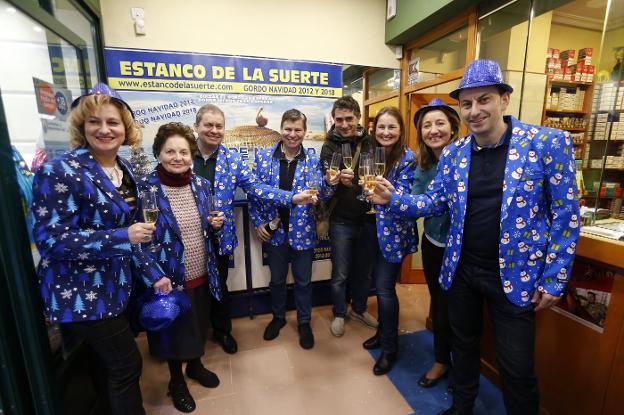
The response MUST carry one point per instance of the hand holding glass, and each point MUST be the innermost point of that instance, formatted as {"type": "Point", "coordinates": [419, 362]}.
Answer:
{"type": "Point", "coordinates": [213, 213]}
{"type": "Point", "coordinates": [369, 181]}
{"type": "Point", "coordinates": [334, 166]}
{"type": "Point", "coordinates": [347, 158]}
{"type": "Point", "coordinates": [150, 213]}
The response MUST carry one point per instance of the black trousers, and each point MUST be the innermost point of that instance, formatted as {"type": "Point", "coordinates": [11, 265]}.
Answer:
{"type": "Point", "coordinates": [514, 331]}
{"type": "Point", "coordinates": [432, 262]}
{"type": "Point", "coordinates": [220, 310]}
{"type": "Point", "coordinates": [114, 344]}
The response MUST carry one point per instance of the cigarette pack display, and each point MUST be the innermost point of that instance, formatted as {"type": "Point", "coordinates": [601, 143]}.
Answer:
{"type": "Point", "coordinates": [567, 54]}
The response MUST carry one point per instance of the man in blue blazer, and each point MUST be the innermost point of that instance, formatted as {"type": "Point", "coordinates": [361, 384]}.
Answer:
{"type": "Point", "coordinates": [511, 190]}
{"type": "Point", "coordinates": [225, 170]}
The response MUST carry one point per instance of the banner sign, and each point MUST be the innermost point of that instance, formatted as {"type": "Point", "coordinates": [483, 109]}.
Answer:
{"type": "Point", "coordinates": [253, 93]}
{"type": "Point", "coordinates": [140, 70]}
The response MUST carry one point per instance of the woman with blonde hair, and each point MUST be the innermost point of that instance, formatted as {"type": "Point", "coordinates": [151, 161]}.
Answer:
{"type": "Point", "coordinates": [88, 227]}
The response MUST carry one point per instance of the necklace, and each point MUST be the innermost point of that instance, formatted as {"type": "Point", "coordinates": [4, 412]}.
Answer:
{"type": "Point", "coordinates": [115, 174]}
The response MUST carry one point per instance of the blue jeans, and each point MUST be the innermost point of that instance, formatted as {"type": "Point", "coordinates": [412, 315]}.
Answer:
{"type": "Point", "coordinates": [278, 258]}
{"type": "Point", "coordinates": [385, 275]}
{"type": "Point", "coordinates": [352, 259]}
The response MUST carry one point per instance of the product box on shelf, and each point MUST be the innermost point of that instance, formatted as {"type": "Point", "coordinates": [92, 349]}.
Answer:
{"type": "Point", "coordinates": [585, 53]}
{"type": "Point", "coordinates": [595, 163]}
{"type": "Point", "coordinates": [588, 73]}
{"type": "Point", "coordinates": [567, 55]}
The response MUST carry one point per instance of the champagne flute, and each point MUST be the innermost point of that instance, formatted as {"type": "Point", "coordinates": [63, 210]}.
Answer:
{"type": "Point", "coordinates": [213, 213]}
{"type": "Point", "coordinates": [361, 173]}
{"type": "Point", "coordinates": [334, 166]}
{"type": "Point", "coordinates": [150, 213]}
{"type": "Point", "coordinates": [369, 180]}
{"type": "Point", "coordinates": [347, 158]}
{"type": "Point", "coordinates": [380, 161]}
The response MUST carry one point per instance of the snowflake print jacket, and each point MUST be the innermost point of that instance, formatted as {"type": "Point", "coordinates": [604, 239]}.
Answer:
{"type": "Point", "coordinates": [87, 263]}
{"type": "Point", "coordinates": [302, 226]}
{"type": "Point", "coordinates": [171, 255]}
{"type": "Point", "coordinates": [539, 220]}
{"type": "Point", "coordinates": [232, 172]}
{"type": "Point", "coordinates": [397, 234]}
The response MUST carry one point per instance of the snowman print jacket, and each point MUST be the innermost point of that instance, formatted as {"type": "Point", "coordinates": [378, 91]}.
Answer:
{"type": "Point", "coordinates": [539, 216]}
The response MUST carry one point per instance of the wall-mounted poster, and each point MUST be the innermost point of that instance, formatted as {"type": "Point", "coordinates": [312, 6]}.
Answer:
{"type": "Point", "coordinates": [253, 93]}
{"type": "Point", "coordinates": [589, 293]}
{"type": "Point", "coordinates": [53, 104]}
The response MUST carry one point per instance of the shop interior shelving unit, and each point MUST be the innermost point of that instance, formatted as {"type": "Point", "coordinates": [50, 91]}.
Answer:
{"type": "Point", "coordinates": [591, 124]}
{"type": "Point", "coordinates": [604, 153]}
{"type": "Point", "coordinates": [566, 117]}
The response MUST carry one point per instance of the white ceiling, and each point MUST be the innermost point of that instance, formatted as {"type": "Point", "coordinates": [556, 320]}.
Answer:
{"type": "Point", "coordinates": [590, 14]}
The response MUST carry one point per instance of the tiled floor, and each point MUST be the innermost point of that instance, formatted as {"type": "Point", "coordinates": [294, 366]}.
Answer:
{"type": "Point", "coordinates": [279, 377]}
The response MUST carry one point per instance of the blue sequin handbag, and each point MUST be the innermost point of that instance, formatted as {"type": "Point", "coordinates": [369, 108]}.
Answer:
{"type": "Point", "coordinates": [159, 311]}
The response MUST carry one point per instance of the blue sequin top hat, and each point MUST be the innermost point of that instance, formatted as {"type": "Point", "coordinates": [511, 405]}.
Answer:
{"type": "Point", "coordinates": [481, 72]}
{"type": "Point", "coordinates": [102, 89]}
{"type": "Point", "coordinates": [158, 311]}
{"type": "Point", "coordinates": [434, 104]}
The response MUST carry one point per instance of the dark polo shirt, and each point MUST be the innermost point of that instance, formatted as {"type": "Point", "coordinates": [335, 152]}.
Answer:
{"type": "Point", "coordinates": [205, 167]}
{"type": "Point", "coordinates": [481, 234]}
{"type": "Point", "coordinates": [286, 178]}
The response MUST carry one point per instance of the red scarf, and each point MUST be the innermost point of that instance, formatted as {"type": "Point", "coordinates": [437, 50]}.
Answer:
{"type": "Point", "coordinates": [171, 179]}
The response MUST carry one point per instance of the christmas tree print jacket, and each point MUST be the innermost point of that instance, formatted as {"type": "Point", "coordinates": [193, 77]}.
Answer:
{"type": "Point", "coordinates": [170, 256]}
{"type": "Point", "coordinates": [539, 220]}
{"type": "Point", "coordinates": [231, 172]}
{"type": "Point", "coordinates": [302, 223]}
{"type": "Point", "coordinates": [396, 233]}
{"type": "Point", "coordinates": [87, 262]}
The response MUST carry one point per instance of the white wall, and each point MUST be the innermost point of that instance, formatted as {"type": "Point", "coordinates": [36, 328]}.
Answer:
{"type": "Point", "coordinates": [338, 31]}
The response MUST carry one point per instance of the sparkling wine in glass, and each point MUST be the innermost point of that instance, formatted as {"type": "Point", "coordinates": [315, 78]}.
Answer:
{"type": "Point", "coordinates": [361, 173]}
{"type": "Point", "coordinates": [369, 180]}
{"type": "Point", "coordinates": [347, 157]}
{"type": "Point", "coordinates": [213, 213]}
{"type": "Point", "coordinates": [380, 161]}
{"type": "Point", "coordinates": [334, 166]}
{"type": "Point", "coordinates": [149, 206]}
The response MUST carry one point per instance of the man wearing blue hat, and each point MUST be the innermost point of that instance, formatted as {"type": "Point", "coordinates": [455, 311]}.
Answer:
{"type": "Point", "coordinates": [510, 189]}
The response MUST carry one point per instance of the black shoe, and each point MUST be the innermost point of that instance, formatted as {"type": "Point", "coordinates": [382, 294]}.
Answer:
{"type": "Point", "coordinates": [205, 377]}
{"type": "Point", "coordinates": [273, 329]}
{"type": "Point", "coordinates": [306, 338]}
{"type": "Point", "coordinates": [372, 343]}
{"type": "Point", "coordinates": [425, 382]}
{"type": "Point", "coordinates": [181, 397]}
{"type": "Point", "coordinates": [227, 342]}
{"type": "Point", "coordinates": [384, 363]}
